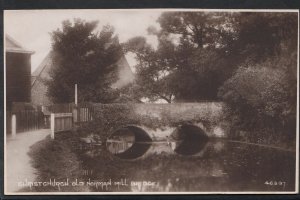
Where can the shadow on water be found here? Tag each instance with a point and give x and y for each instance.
(190, 161)
(192, 140)
(130, 142)
(196, 163)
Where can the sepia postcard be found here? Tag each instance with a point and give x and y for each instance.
(151, 101)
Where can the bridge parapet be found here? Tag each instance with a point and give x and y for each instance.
(160, 120)
(184, 111)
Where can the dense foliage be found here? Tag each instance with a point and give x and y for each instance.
(84, 57)
(262, 92)
(248, 60)
(191, 60)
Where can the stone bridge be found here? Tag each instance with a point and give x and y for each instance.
(161, 121)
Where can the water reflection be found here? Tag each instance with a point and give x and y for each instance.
(129, 142)
(120, 141)
(192, 140)
(211, 165)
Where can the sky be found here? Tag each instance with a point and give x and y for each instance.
(32, 28)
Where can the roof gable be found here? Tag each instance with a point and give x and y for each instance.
(11, 45)
(125, 74)
(46, 62)
(42, 71)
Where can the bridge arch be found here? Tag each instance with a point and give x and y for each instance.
(141, 141)
(191, 139)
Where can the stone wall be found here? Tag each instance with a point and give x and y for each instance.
(160, 120)
(184, 111)
(206, 115)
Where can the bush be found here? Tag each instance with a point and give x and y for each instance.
(107, 117)
(262, 102)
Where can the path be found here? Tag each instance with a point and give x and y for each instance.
(17, 165)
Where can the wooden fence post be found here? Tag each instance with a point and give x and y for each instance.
(76, 98)
(13, 125)
(75, 114)
(52, 126)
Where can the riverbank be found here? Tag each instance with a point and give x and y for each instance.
(281, 142)
(233, 165)
(281, 148)
(56, 162)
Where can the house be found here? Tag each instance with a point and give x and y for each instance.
(125, 73)
(38, 79)
(41, 75)
(18, 72)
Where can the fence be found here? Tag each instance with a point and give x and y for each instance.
(61, 122)
(64, 114)
(8, 121)
(25, 120)
(82, 112)
(61, 108)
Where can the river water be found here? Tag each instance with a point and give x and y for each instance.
(188, 166)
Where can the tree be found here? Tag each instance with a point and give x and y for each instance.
(153, 71)
(262, 93)
(84, 57)
(247, 59)
(182, 68)
(261, 35)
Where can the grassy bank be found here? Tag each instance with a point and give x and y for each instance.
(56, 161)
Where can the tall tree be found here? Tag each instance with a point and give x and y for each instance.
(84, 57)
(247, 59)
(154, 76)
(190, 60)
(262, 93)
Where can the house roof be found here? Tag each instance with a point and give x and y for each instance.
(43, 68)
(43, 64)
(11, 45)
(124, 71)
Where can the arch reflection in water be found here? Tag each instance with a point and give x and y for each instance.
(130, 142)
(191, 140)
